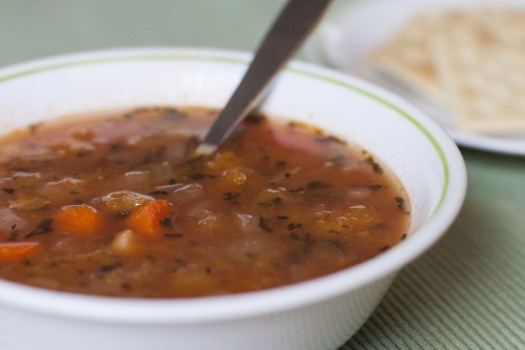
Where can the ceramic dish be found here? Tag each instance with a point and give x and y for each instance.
(336, 46)
(318, 314)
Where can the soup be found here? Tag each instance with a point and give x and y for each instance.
(118, 204)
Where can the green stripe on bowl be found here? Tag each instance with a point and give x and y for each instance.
(94, 61)
(237, 61)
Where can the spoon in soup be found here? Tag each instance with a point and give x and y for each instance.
(290, 29)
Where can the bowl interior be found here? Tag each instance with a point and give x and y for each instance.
(351, 110)
(420, 154)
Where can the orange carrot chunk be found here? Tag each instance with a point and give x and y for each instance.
(147, 219)
(12, 251)
(78, 219)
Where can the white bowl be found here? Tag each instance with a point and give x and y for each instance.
(317, 314)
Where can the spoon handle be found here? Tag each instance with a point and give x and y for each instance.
(286, 35)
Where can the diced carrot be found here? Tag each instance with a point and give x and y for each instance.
(147, 219)
(78, 219)
(12, 251)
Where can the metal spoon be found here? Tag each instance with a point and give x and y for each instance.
(288, 32)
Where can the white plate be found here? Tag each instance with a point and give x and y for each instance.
(345, 39)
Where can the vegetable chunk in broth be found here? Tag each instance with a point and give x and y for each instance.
(118, 205)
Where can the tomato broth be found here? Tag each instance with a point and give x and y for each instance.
(118, 204)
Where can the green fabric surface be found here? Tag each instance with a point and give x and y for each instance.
(467, 292)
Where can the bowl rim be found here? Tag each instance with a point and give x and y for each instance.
(251, 304)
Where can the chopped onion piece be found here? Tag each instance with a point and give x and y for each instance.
(161, 172)
(9, 221)
(124, 242)
(120, 202)
(134, 178)
(187, 192)
(28, 203)
(62, 187)
(360, 192)
(245, 219)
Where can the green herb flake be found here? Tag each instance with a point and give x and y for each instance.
(263, 225)
(33, 128)
(338, 245)
(158, 193)
(201, 176)
(20, 169)
(173, 114)
(293, 190)
(273, 202)
(294, 226)
(115, 147)
(375, 166)
(43, 227)
(318, 185)
(280, 164)
(13, 233)
(384, 248)
(82, 154)
(174, 235)
(330, 139)
(230, 196)
(8, 190)
(104, 269)
(376, 187)
(401, 204)
(166, 222)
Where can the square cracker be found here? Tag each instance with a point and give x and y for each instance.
(483, 77)
(407, 57)
(504, 25)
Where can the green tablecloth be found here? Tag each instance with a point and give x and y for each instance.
(468, 292)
